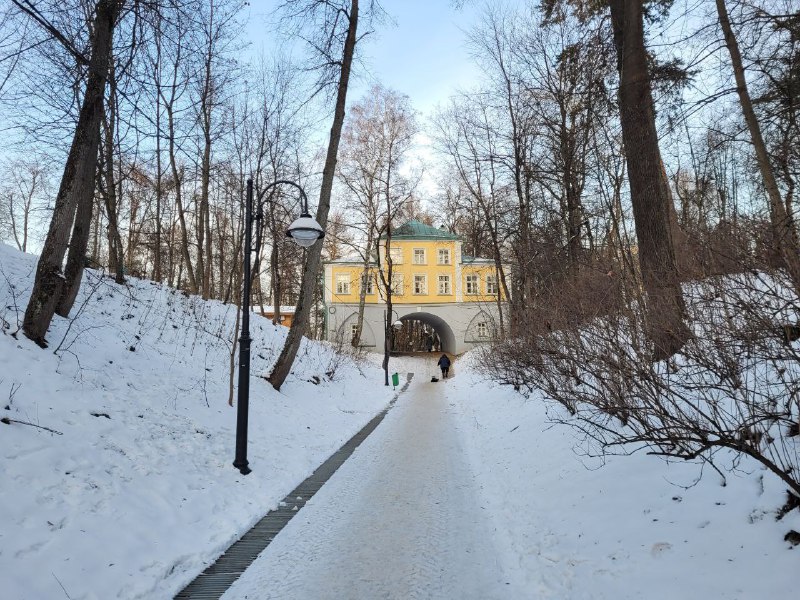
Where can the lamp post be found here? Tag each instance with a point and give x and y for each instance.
(305, 231)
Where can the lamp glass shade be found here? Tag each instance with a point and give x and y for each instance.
(305, 231)
(398, 324)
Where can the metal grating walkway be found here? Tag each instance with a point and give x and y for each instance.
(216, 579)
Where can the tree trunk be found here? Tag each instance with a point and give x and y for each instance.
(312, 263)
(275, 271)
(157, 276)
(650, 196)
(572, 193)
(177, 180)
(784, 232)
(204, 241)
(76, 192)
(388, 324)
(362, 296)
(115, 255)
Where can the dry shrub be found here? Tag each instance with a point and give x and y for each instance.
(735, 384)
(571, 300)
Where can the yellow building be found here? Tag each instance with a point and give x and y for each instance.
(432, 282)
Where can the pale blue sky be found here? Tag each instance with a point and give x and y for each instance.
(423, 52)
(419, 50)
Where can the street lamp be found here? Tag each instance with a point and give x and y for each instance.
(305, 231)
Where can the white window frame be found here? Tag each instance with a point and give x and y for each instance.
(396, 252)
(472, 284)
(424, 258)
(397, 284)
(446, 252)
(491, 285)
(370, 281)
(420, 277)
(343, 282)
(448, 287)
(482, 329)
(353, 330)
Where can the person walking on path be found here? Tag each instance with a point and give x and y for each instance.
(444, 364)
(429, 343)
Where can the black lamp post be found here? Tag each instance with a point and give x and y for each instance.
(305, 231)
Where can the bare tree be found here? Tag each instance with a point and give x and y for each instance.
(20, 196)
(376, 140)
(170, 96)
(108, 184)
(279, 133)
(73, 206)
(215, 26)
(650, 194)
(330, 15)
(784, 230)
(467, 135)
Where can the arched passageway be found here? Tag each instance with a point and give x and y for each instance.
(417, 328)
(456, 327)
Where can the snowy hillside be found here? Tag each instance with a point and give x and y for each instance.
(133, 491)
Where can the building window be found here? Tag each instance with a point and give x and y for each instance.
(491, 285)
(483, 330)
(353, 332)
(343, 285)
(396, 252)
(444, 284)
(419, 256)
(472, 284)
(420, 284)
(397, 284)
(444, 256)
(369, 280)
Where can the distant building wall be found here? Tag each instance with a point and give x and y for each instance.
(285, 319)
(456, 295)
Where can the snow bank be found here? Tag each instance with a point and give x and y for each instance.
(133, 492)
(574, 527)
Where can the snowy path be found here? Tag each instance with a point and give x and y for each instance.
(400, 519)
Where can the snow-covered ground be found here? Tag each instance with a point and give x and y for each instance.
(136, 493)
(400, 519)
(571, 527)
(464, 491)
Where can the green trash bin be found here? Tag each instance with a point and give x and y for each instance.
(395, 379)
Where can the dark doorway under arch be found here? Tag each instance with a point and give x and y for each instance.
(419, 325)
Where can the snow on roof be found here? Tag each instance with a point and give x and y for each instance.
(285, 310)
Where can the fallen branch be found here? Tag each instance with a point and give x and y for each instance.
(8, 421)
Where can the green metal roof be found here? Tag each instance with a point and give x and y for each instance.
(475, 260)
(414, 230)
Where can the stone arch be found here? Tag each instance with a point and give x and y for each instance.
(367, 334)
(439, 325)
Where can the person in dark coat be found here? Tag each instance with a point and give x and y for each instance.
(444, 364)
(429, 343)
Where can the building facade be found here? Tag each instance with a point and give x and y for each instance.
(286, 315)
(456, 296)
